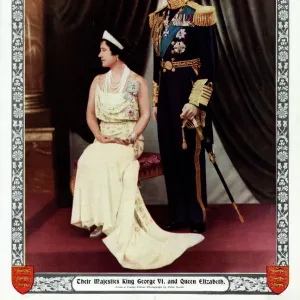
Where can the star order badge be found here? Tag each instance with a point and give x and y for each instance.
(22, 278)
(278, 278)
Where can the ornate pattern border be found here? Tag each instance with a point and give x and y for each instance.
(239, 283)
(18, 233)
(282, 138)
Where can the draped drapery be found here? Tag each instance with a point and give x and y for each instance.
(244, 102)
(244, 106)
(73, 31)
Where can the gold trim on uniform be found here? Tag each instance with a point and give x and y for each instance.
(155, 89)
(199, 129)
(156, 23)
(202, 118)
(201, 93)
(172, 65)
(198, 175)
(204, 15)
(153, 15)
(151, 19)
(174, 4)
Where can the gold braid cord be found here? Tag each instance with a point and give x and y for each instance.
(202, 118)
(198, 175)
(155, 93)
(191, 125)
(201, 93)
(199, 136)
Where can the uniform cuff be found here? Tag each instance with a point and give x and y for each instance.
(201, 93)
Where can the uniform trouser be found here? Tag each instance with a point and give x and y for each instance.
(180, 165)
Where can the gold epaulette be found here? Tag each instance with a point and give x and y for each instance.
(151, 19)
(152, 15)
(204, 15)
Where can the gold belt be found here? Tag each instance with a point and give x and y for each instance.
(172, 65)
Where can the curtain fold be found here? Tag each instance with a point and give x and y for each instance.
(244, 111)
(244, 106)
(73, 32)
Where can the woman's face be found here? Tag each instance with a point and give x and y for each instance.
(105, 55)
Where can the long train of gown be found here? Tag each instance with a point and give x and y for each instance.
(106, 191)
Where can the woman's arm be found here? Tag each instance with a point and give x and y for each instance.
(91, 115)
(144, 107)
(144, 111)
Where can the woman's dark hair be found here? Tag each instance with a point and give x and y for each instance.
(124, 53)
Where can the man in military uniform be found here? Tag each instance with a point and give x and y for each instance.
(184, 58)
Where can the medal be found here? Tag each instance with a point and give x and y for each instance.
(167, 24)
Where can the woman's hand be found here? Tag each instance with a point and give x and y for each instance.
(104, 139)
(107, 139)
(132, 137)
(122, 142)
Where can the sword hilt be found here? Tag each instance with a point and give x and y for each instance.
(212, 158)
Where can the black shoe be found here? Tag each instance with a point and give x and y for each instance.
(174, 226)
(198, 227)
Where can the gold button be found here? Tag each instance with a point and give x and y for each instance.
(168, 65)
(172, 59)
(173, 43)
(173, 70)
(164, 70)
(172, 51)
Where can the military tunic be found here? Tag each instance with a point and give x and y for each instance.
(184, 67)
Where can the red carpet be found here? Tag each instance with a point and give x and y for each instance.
(53, 245)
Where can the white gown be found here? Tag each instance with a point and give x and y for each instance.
(106, 191)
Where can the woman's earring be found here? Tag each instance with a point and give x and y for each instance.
(117, 58)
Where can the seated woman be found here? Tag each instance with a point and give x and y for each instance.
(106, 193)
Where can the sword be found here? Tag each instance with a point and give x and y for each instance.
(213, 161)
(193, 124)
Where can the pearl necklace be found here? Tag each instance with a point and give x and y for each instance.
(112, 86)
(115, 86)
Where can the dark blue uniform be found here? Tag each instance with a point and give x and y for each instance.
(184, 59)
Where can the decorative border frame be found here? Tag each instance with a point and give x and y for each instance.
(46, 283)
(239, 283)
(18, 134)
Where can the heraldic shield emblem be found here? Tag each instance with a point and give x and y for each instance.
(278, 278)
(22, 278)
